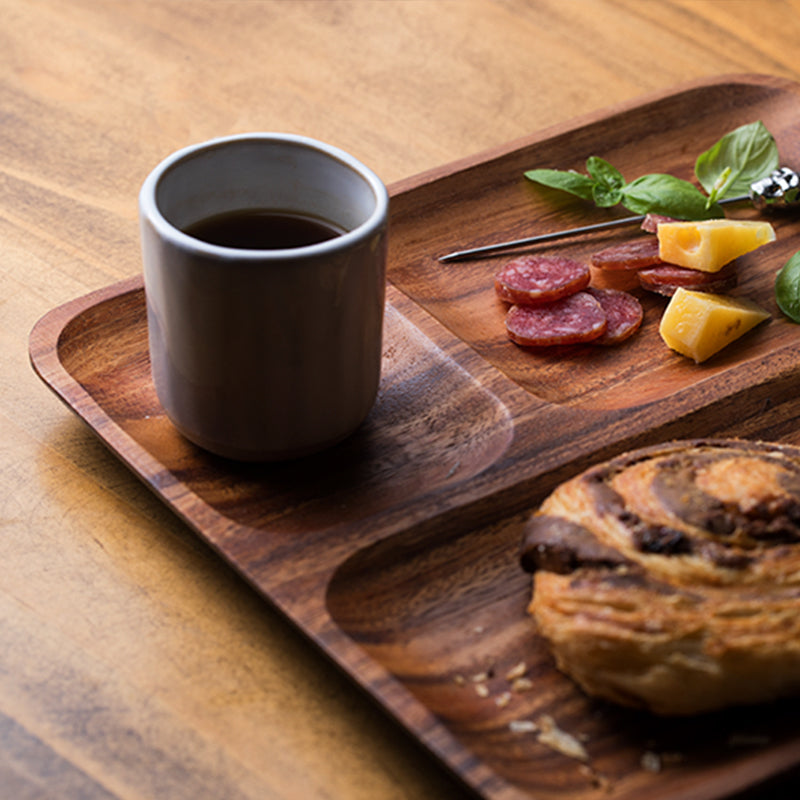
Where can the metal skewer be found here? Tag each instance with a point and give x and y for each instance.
(782, 187)
(543, 237)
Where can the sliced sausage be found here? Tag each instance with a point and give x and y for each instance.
(624, 315)
(532, 280)
(633, 254)
(651, 222)
(666, 278)
(571, 320)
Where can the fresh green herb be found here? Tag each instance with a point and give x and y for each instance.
(738, 159)
(567, 180)
(729, 167)
(655, 193)
(607, 182)
(787, 288)
(658, 193)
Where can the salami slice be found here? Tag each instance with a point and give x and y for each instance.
(633, 254)
(666, 278)
(651, 222)
(571, 320)
(623, 312)
(532, 280)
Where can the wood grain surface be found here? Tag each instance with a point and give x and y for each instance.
(134, 663)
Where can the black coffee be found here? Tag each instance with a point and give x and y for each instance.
(262, 229)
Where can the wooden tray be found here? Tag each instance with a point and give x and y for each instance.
(396, 552)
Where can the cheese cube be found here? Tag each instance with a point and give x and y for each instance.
(697, 325)
(710, 244)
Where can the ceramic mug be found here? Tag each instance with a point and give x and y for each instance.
(269, 348)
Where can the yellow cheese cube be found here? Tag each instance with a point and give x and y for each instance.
(697, 325)
(710, 244)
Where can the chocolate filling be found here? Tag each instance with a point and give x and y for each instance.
(675, 487)
(646, 538)
(557, 545)
(724, 556)
(660, 540)
(776, 521)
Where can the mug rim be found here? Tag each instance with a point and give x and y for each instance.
(149, 209)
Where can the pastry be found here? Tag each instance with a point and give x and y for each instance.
(668, 578)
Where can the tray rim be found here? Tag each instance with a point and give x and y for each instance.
(333, 643)
(47, 365)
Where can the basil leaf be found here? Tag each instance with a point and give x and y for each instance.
(739, 158)
(658, 193)
(787, 288)
(566, 180)
(605, 196)
(603, 172)
(608, 182)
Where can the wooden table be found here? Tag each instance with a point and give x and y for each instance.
(133, 662)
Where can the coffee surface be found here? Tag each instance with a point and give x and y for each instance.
(262, 229)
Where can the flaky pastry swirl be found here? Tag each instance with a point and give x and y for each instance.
(668, 578)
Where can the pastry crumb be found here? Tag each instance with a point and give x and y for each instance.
(516, 671)
(650, 761)
(503, 700)
(559, 740)
(523, 726)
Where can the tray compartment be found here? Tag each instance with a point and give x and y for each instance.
(432, 425)
(447, 619)
(493, 201)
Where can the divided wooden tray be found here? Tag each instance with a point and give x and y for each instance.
(396, 552)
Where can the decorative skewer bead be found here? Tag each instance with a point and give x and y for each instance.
(779, 188)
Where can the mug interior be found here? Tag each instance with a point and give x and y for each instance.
(278, 173)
